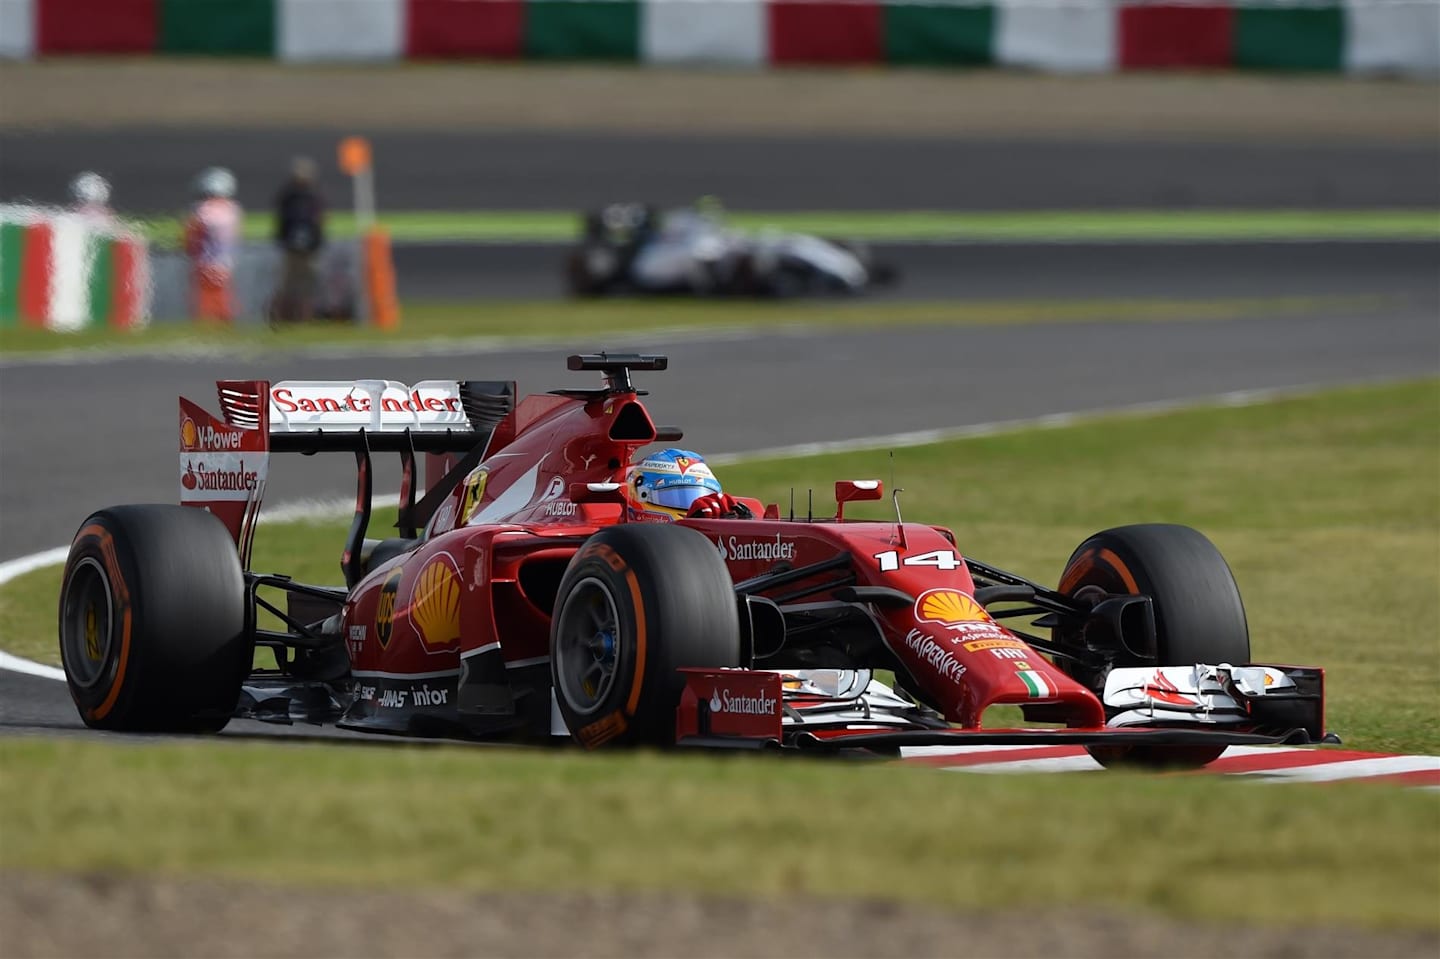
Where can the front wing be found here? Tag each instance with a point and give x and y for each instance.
(835, 709)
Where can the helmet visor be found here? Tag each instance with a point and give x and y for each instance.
(680, 497)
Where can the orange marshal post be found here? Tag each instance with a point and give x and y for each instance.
(377, 266)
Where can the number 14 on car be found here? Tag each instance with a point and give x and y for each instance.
(946, 559)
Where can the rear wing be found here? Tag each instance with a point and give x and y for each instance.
(224, 461)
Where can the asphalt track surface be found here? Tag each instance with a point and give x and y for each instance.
(152, 170)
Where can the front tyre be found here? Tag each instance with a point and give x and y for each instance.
(1199, 617)
(152, 620)
(637, 603)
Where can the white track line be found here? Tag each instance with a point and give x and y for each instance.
(1050, 421)
(27, 564)
(17, 665)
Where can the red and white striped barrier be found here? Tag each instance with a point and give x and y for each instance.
(69, 271)
(1265, 763)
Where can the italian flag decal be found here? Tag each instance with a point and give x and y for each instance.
(1036, 684)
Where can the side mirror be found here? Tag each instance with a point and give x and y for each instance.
(596, 493)
(849, 491)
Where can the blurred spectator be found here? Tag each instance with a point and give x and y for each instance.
(300, 233)
(212, 240)
(90, 196)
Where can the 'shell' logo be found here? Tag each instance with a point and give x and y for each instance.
(949, 607)
(208, 439)
(385, 609)
(435, 603)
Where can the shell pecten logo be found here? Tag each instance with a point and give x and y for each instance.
(435, 604)
(189, 435)
(949, 607)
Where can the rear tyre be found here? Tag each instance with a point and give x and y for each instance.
(637, 603)
(1199, 617)
(152, 620)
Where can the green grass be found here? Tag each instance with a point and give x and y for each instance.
(569, 320)
(1327, 508)
(899, 226)
(736, 826)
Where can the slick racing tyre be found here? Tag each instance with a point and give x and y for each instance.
(1198, 614)
(637, 603)
(152, 620)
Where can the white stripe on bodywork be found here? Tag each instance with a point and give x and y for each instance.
(515, 498)
(483, 649)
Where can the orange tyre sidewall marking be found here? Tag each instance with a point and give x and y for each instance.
(111, 563)
(1081, 565)
(1088, 560)
(636, 682)
(1121, 570)
(602, 731)
(616, 562)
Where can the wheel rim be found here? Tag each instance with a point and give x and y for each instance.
(86, 633)
(587, 646)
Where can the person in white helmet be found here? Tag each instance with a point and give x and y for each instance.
(212, 241)
(90, 196)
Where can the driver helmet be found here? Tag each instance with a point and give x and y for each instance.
(664, 484)
(90, 189)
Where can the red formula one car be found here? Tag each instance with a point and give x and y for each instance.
(525, 597)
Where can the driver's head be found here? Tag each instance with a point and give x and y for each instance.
(664, 484)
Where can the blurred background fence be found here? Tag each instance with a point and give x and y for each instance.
(1359, 36)
(68, 271)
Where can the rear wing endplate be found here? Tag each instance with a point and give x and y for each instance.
(224, 462)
